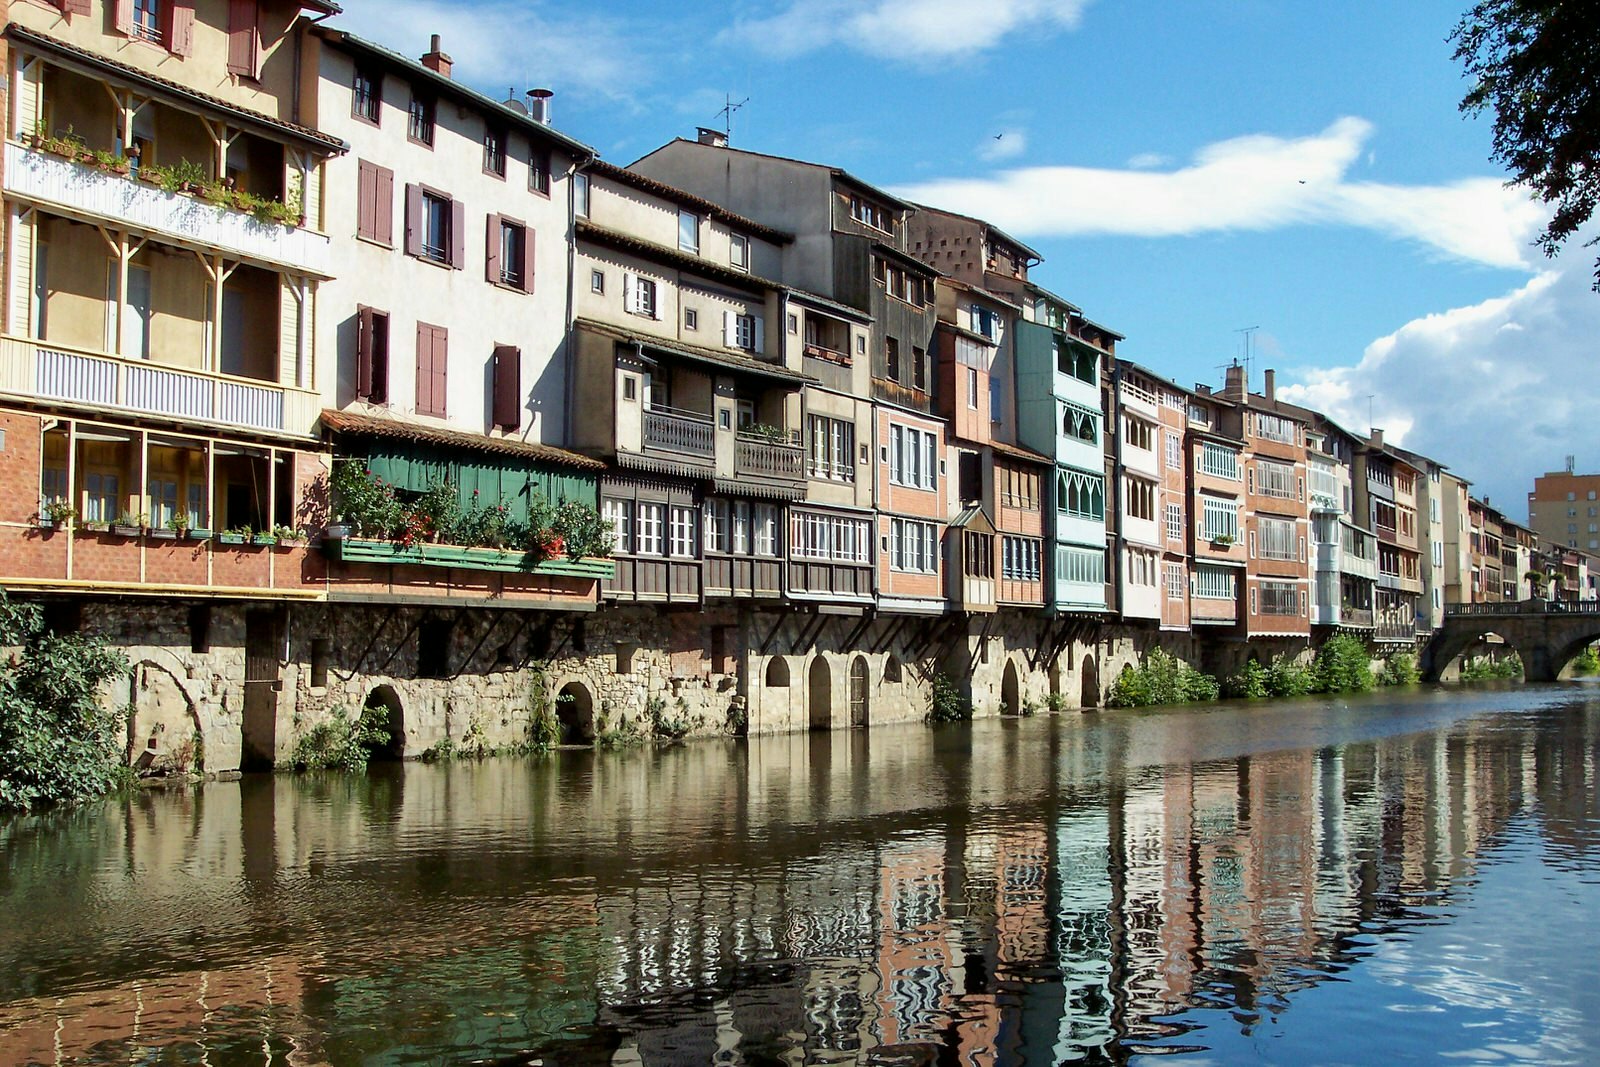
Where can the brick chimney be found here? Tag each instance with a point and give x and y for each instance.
(714, 138)
(1377, 438)
(436, 60)
(1233, 387)
(1269, 384)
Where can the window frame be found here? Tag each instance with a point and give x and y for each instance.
(494, 150)
(421, 119)
(373, 96)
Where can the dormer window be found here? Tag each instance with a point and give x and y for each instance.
(871, 214)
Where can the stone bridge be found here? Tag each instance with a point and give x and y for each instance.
(1547, 634)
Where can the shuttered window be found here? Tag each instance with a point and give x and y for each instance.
(372, 355)
(375, 203)
(508, 253)
(435, 226)
(432, 359)
(507, 375)
(177, 26)
(244, 38)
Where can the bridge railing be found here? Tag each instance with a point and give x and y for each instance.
(1526, 607)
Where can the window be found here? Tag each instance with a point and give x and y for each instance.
(913, 457)
(1174, 522)
(1273, 428)
(1219, 519)
(1084, 566)
(978, 557)
(739, 252)
(1141, 435)
(505, 387)
(510, 250)
(691, 319)
(1214, 583)
(163, 494)
(1174, 581)
(1082, 495)
(580, 195)
(366, 95)
(891, 357)
(1279, 598)
(1141, 497)
(435, 227)
(919, 368)
(870, 213)
(1275, 538)
(1018, 488)
(432, 358)
(997, 399)
(494, 151)
(539, 174)
(419, 124)
(652, 518)
(1219, 462)
(985, 321)
(972, 389)
(147, 20)
(639, 296)
(744, 332)
(1174, 451)
(1141, 567)
(597, 281)
(1080, 424)
(913, 546)
(1020, 559)
(1275, 479)
(830, 450)
(682, 542)
(372, 355)
(689, 231)
(101, 502)
(828, 537)
(374, 203)
(766, 530)
(620, 514)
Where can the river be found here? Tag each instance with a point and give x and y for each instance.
(1362, 880)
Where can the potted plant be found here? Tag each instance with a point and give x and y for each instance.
(1223, 540)
(56, 513)
(239, 535)
(128, 525)
(287, 535)
(107, 160)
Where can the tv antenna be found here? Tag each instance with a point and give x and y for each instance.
(727, 113)
(1249, 336)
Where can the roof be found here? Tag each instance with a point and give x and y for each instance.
(1034, 287)
(1027, 455)
(71, 55)
(718, 357)
(962, 331)
(972, 516)
(349, 422)
(991, 227)
(987, 294)
(906, 259)
(672, 192)
(449, 87)
(805, 296)
(679, 258)
(837, 172)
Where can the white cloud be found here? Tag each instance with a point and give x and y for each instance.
(902, 29)
(1008, 144)
(1255, 182)
(1148, 161)
(501, 43)
(1499, 391)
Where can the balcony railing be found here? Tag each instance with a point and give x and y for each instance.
(895, 393)
(672, 430)
(56, 182)
(41, 370)
(1356, 618)
(769, 459)
(823, 352)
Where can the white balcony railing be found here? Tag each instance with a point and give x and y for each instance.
(36, 369)
(55, 182)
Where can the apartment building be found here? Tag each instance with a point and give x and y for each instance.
(1152, 543)
(1216, 501)
(1454, 492)
(1564, 509)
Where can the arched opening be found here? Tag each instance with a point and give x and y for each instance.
(819, 697)
(892, 670)
(1487, 657)
(1010, 691)
(1091, 683)
(575, 713)
(383, 704)
(777, 673)
(858, 691)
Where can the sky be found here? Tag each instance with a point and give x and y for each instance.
(1210, 178)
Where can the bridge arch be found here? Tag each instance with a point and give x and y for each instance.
(1548, 635)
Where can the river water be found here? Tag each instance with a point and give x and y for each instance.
(1366, 880)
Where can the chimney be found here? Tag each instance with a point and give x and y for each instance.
(539, 105)
(436, 60)
(1377, 438)
(714, 138)
(1233, 387)
(1270, 383)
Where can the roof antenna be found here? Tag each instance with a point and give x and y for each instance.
(1249, 335)
(726, 114)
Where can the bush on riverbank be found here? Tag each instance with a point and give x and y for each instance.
(1399, 668)
(947, 704)
(1481, 668)
(1588, 662)
(57, 743)
(1343, 666)
(1283, 677)
(1161, 679)
(342, 741)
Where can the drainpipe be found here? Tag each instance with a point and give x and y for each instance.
(1115, 493)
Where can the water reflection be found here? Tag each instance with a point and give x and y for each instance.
(1029, 892)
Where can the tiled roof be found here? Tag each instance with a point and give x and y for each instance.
(675, 256)
(672, 192)
(349, 422)
(719, 357)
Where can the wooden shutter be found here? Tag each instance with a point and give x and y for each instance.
(76, 7)
(244, 46)
(383, 206)
(178, 27)
(759, 345)
(630, 301)
(414, 220)
(491, 258)
(363, 352)
(367, 200)
(432, 360)
(527, 260)
(730, 334)
(123, 17)
(507, 387)
(458, 234)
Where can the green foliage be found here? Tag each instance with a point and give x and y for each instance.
(1399, 668)
(671, 727)
(1481, 668)
(1250, 683)
(1056, 702)
(583, 530)
(365, 501)
(947, 703)
(1342, 666)
(1287, 678)
(1535, 64)
(342, 742)
(1161, 679)
(57, 743)
(1587, 662)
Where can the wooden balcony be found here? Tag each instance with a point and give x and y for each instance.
(894, 393)
(91, 193)
(686, 433)
(761, 457)
(38, 370)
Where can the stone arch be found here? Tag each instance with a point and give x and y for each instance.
(777, 673)
(860, 691)
(1091, 682)
(575, 713)
(892, 670)
(1010, 690)
(1449, 645)
(819, 695)
(384, 696)
(164, 735)
(1561, 656)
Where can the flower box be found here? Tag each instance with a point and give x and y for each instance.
(504, 560)
(161, 533)
(126, 531)
(263, 539)
(231, 539)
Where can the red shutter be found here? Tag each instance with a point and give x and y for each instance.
(78, 7)
(507, 387)
(527, 260)
(244, 45)
(366, 200)
(491, 258)
(123, 18)
(414, 220)
(364, 352)
(424, 368)
(178, 27)
(458, 234)
(441, 363)
(383, 200)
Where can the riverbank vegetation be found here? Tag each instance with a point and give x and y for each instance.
(58, 743)
(947, 703)
(1342, 665)
(1161, 679)
(1480, 668)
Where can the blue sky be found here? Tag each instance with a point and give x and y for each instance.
(1187, 168)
